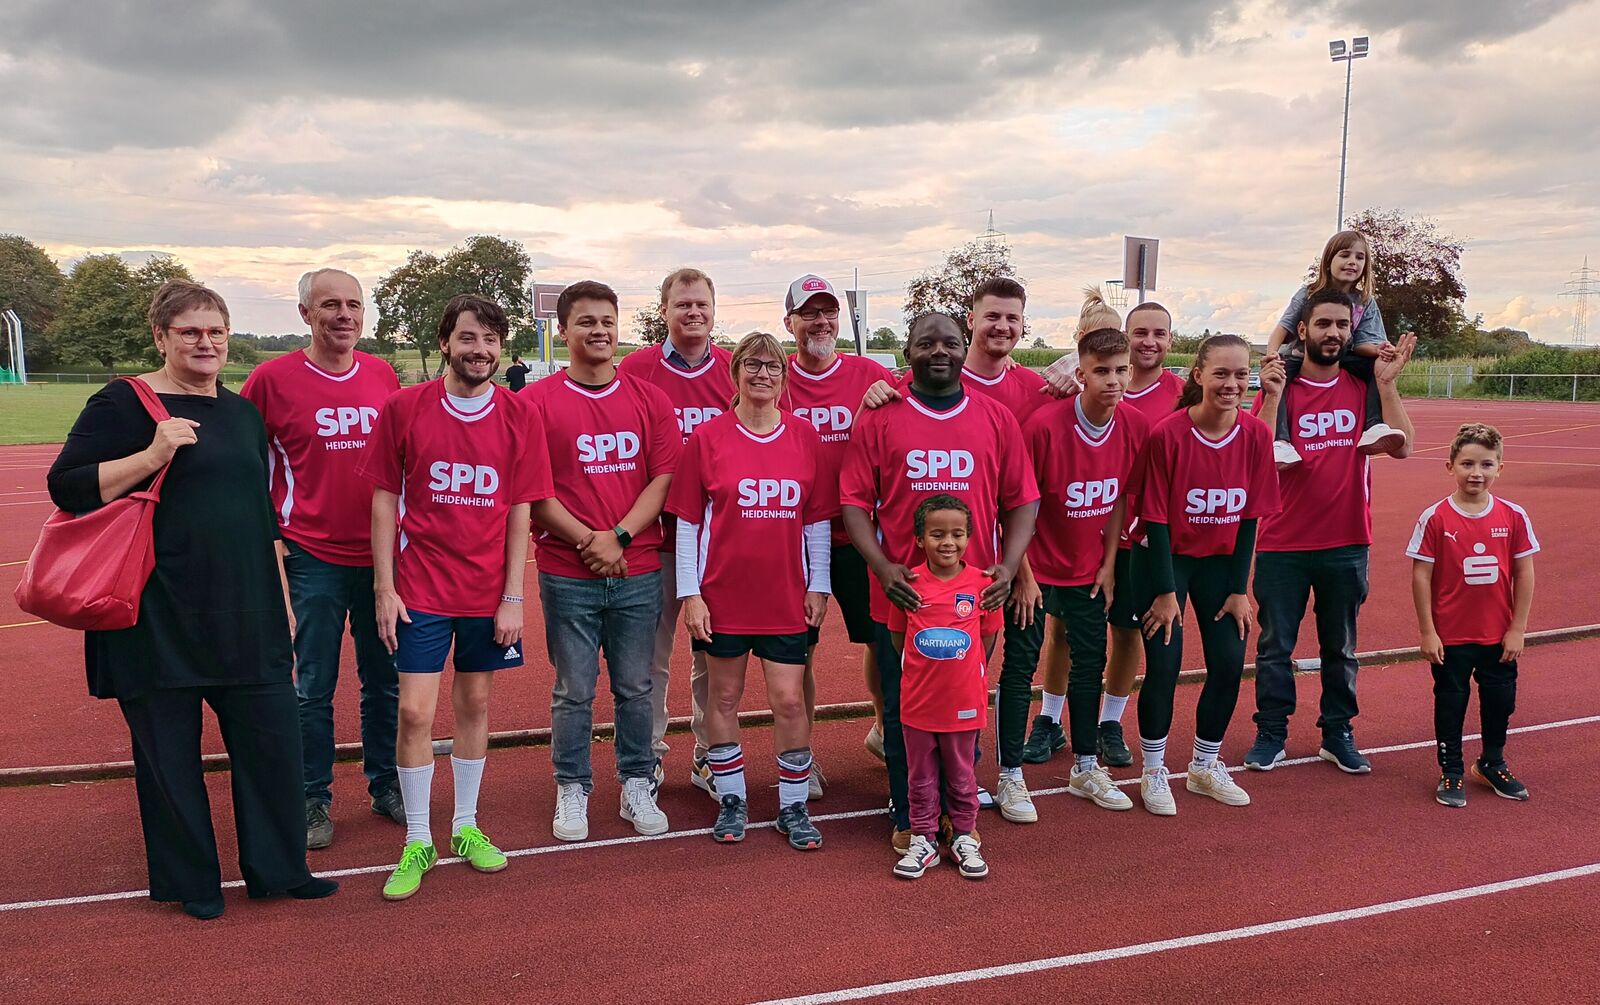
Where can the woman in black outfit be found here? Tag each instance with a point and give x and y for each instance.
(212, 627)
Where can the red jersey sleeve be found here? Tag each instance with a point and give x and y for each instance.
(687, 497)
(666, 443)
(383, 458)
(533, 481)
(858, 482)
(1523, 543)
(1154, 481)
(822, 502)
(1018, 486)
(993, 621)
(897, 619)
(1424, 544)
(1263, 497)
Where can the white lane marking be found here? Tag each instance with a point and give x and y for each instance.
(367, 870)
(1188, 941)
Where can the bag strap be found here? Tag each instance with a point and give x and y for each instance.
(152, 404)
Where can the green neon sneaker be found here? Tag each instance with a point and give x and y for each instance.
(472, 845)
(406, 879)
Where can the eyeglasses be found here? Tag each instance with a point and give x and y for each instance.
(812, 313)
(754, 367)
(192, 336)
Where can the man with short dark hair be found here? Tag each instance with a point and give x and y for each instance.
(517, 373)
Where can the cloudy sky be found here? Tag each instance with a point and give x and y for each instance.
(618, 140)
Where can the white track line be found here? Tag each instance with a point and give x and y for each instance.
(1188, 941)
(368, 870)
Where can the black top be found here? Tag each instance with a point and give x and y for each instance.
(213, 611)
(517, 376)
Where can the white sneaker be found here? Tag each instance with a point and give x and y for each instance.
(1096, 784)
(818, 780)
(874, 742)
(572, 813)
(1016, 805)
(639, 807)
(918, 859)
(1214, 781)
(700, 777)
(1156, 794)
(969, 857)
(1381, 438)
(1284, 453)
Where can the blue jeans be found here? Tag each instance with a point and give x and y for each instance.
(1285, 580)
(323, 595)
(581, 618)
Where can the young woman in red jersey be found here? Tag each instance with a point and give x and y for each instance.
(753, 555)
(1208, 476)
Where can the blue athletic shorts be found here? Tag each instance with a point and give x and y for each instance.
(423, 645)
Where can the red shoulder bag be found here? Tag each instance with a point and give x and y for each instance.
(87, 572)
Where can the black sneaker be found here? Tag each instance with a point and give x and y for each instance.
(795, 823)
(1044, 740)
(1264, 754)
(319, 827)
(730, 820)
(1340, 749)
(1499, 778)
(1451, 792)
(1113, 748)
(389, 804)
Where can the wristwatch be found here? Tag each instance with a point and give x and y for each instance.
(623, 537)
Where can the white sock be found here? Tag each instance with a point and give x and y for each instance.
(468, 776)
(1011, 773)
(1111, 707)
(1205, 752)
(727, 768)
(1155, 752)
(1053, 703)
(416, 790)
(794, 777)
(1087, 762)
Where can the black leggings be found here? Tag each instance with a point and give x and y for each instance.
(1360, 367)
(1497, 699)
(1205, 581)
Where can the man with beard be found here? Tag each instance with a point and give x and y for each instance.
(1317, 545)
(936, 438)
(469, 460)
(824, 388)
(319, 404)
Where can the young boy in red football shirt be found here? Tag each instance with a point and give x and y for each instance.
(943, 693)
(1472, 582)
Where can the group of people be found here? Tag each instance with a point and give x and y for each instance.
(1068, 517)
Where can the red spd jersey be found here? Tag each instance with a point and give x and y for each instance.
(457, 476)
(942, 684)
(1158, 400)
(317, 424)
(1327, 496)
(904, 452)
(829, 401)
(1018, 388)
(1202, 488)
(752, 497)
(1472, 556)
(697, 395)
(1080, 480)
(605, 446)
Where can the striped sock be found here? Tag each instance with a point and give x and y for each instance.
(416, 790)
(1111, 707)
(727, 767)
(794, 776)
(1205, 752)
(1155, 752)
(1087, 762)
(1053, 704)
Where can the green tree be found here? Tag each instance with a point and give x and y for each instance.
(411, 299)
(1417, 272)
(31, 284)
(884, 339)
(948, 289)
(99, 320)
(1040, 343)
(649, 325)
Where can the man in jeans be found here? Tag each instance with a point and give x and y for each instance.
(1318, 544)
(319, 405)
(613, 444)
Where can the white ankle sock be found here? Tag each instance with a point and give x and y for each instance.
(1053, 703)
(468, 776)
(1205, 752)
(1111, 707)
(416, 790)
(1155, 752)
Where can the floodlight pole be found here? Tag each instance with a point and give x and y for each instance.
(1338, 52)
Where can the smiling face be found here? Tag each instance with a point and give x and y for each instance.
(1149, 338)
(1223, 376)
(472, 350)
(936, 351)
(944, 538)
(1348, 265)
(815, 332)
(1474, 467)
(591, 332)
(690, 310)
(335, 312)
(759, 378)
(195, 345)
(1325, 333)
(996, 324)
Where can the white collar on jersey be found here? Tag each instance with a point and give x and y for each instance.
(455, 410)
(800, 371)
(911, 399)
(1217, 444)
(573, 385)
(319, 371)
(980, 378)
(757, 437)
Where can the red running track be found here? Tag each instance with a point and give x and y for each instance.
(679, 919)
(1553, 457)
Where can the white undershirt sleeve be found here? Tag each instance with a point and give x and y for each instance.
(819, 557)
(687, 559)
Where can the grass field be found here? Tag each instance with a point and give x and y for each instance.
(40, 413)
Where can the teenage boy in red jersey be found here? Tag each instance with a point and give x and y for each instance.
(1083, 448)
(613, 446)
(935, 439)
(319, 404)
(944, 691)
(824, 388)
(1472, 581)
(694, 374)
(1153, 392)
(466, 460)
(1318, 544)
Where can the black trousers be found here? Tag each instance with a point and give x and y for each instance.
(1497, 699)
(1014, 694)
(1205, 582)
(261, 730)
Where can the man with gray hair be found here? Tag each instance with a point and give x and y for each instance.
(319, 404)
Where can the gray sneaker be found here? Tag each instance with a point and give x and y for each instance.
(319, 826)
(388, 803)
